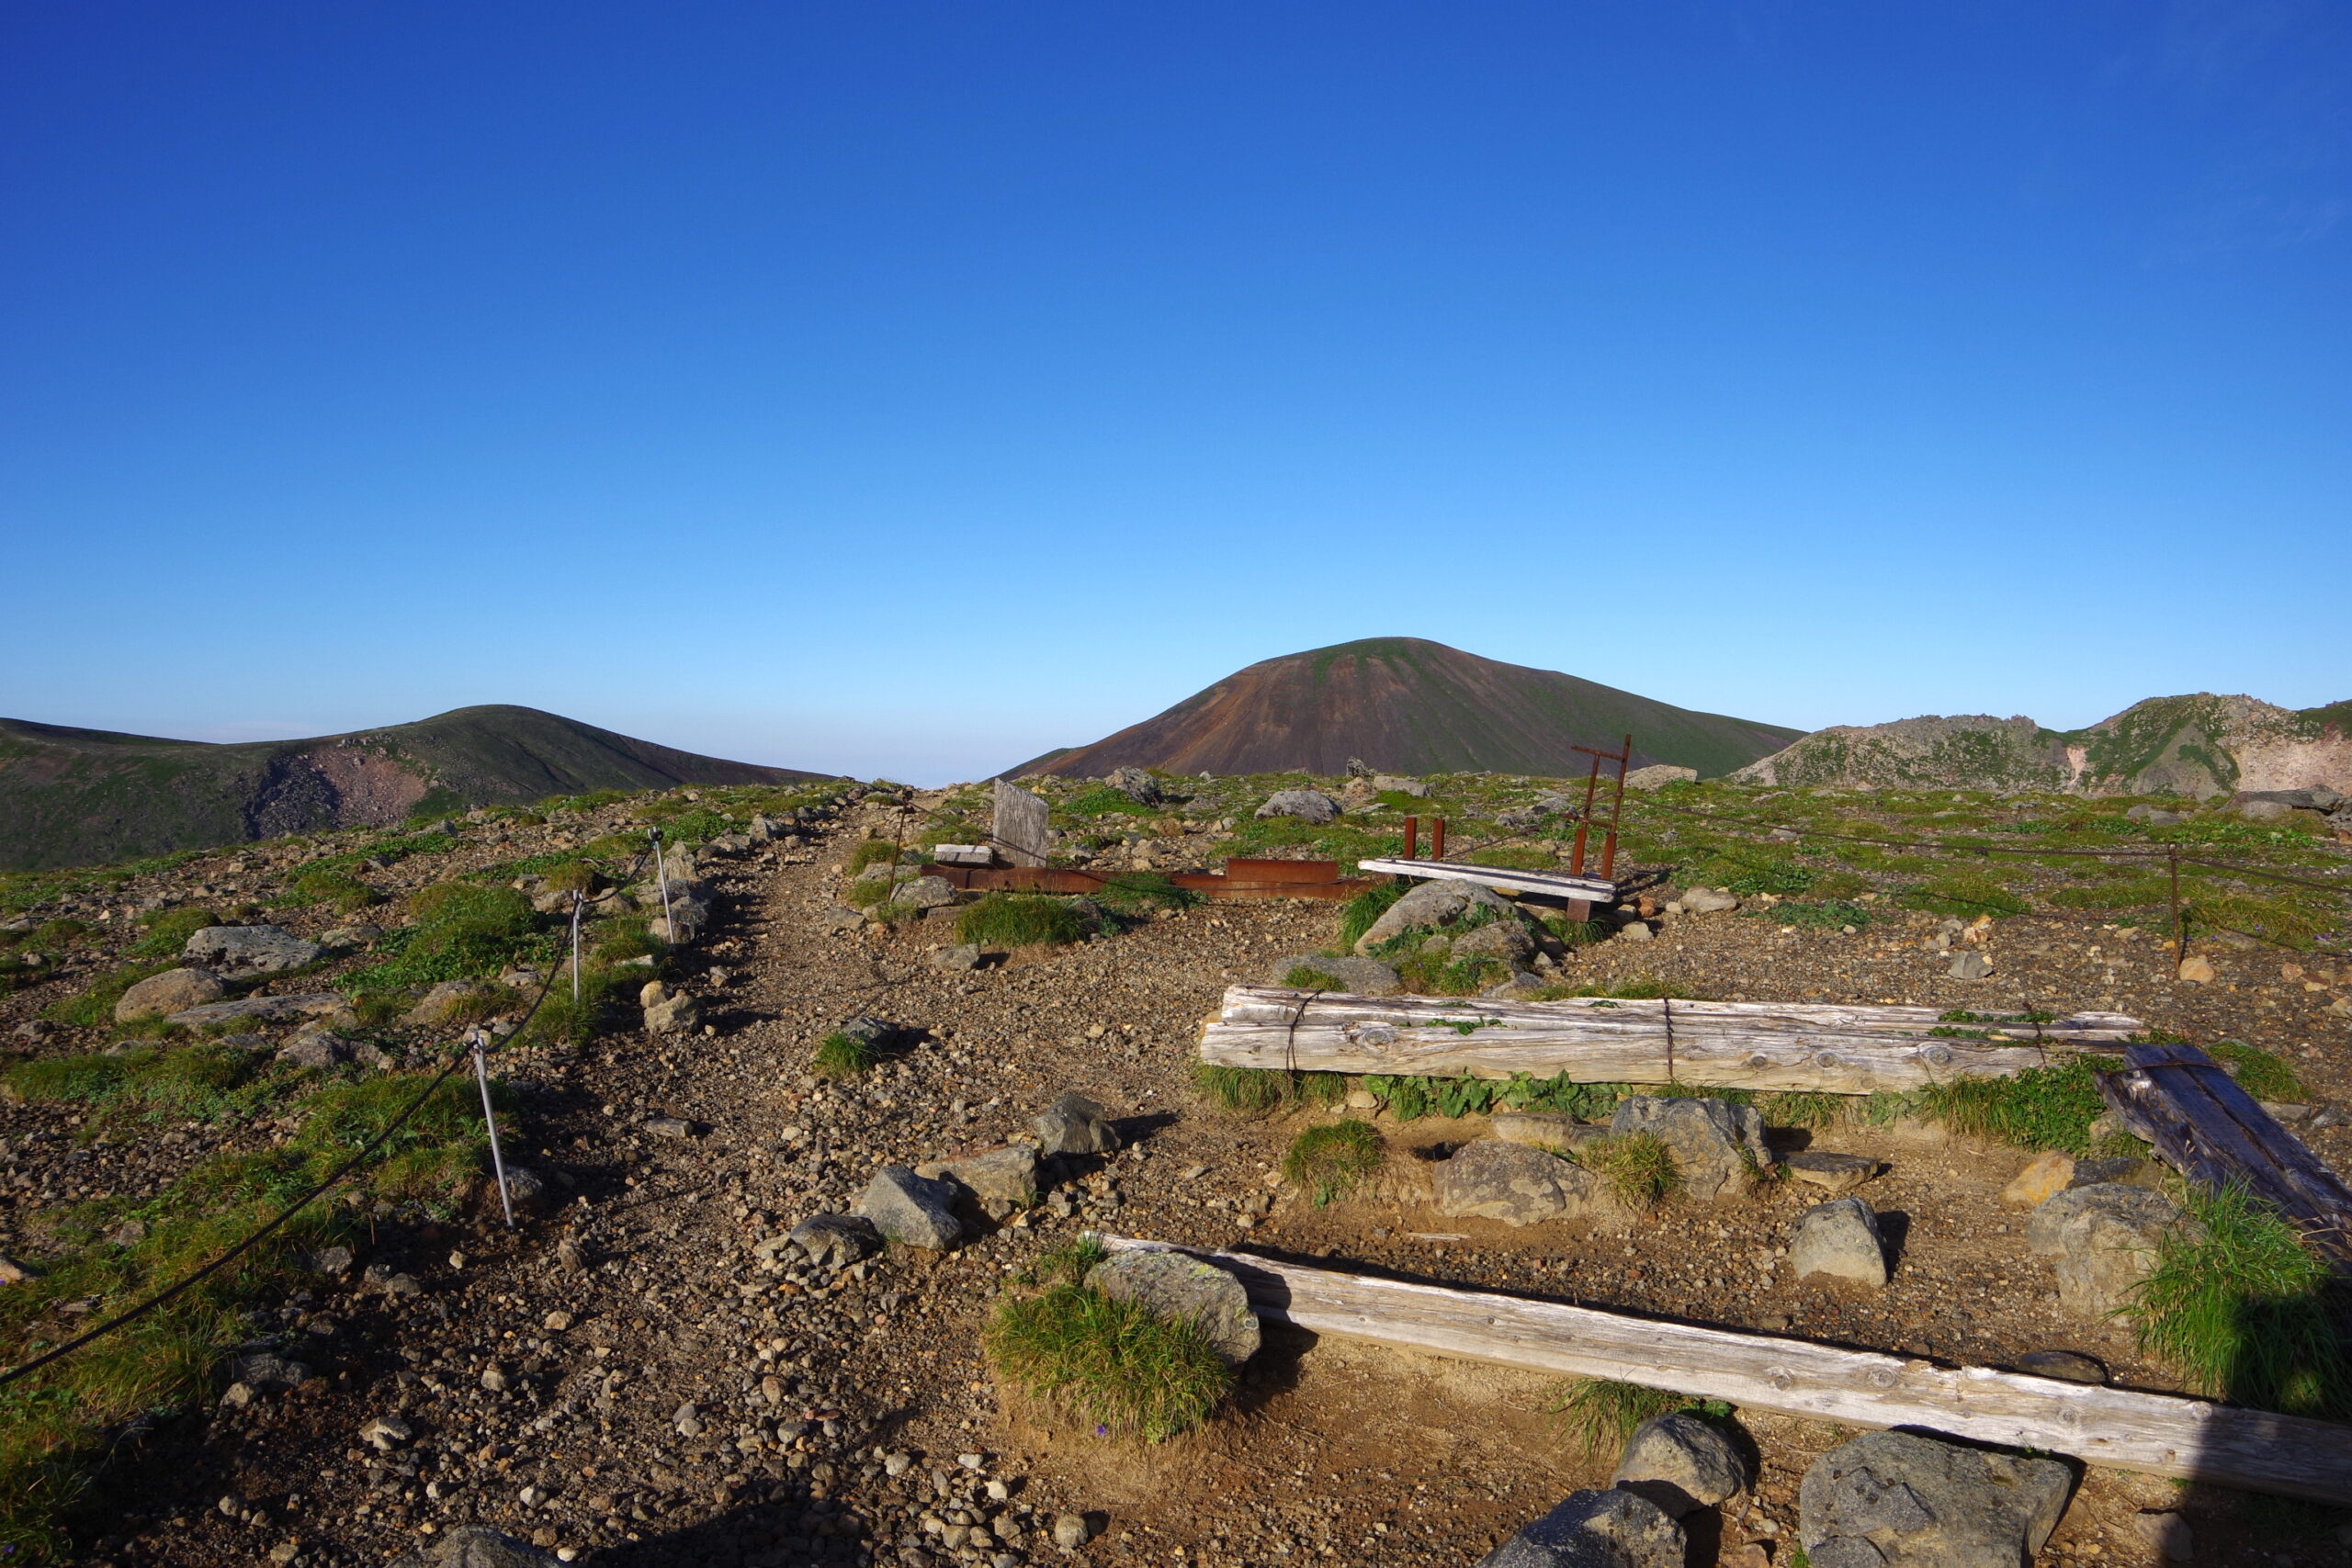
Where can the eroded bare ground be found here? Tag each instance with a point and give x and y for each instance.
(797, 1384)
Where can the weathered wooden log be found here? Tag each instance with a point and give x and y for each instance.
(1814, 1048)
(1502, 879)
(2158, 1434)
(2212, 1131)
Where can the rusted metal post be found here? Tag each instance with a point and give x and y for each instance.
(1437, 839)
(1412, 832)
(1584, 818)
(1616, 810)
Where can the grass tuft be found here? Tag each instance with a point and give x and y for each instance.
(2259, 1073)
(1307, 978)
(2243, 1309)
(1600, 1416)
(872, 851)
(1330, 1162)
(2041, 1108)
(843, 1055)
(1022, 920)
(1115, 1363)
(1358, 915)
(1637, 1167)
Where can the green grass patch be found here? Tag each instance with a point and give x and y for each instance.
(2258, 1072)
(840, 1055)
(1135, 892)
(1514, 858)
(1805, 1108)
(206, 1082)
(1307, 978)
(2243, 1310)
(2041, 1108)
(1116, 1364)
(335, 887)
(1022, 920)
(168, 932)
(1330, 1162)
(1963, 896)
(1103, 800)
(1358, 915)
(872, 851)
(461, 930)
(1599, 1416)
(1253, 1091)
(1638, 1169)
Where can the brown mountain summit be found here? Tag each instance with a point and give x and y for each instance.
(1405, 705)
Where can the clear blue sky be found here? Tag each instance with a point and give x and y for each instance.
(906, 388)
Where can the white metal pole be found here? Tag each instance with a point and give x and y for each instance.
(490, 1120)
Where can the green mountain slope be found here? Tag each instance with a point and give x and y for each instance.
(1404, 704)
(82, 797)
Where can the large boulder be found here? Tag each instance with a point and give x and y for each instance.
(1357, 977)
(1505, 941)
(174, 990)
(1901, 1500)
(1616, 1528)
(2105, 1237)
(912, 1210)
(249, 950)
(1680, 1463)
(1136, 784)
(1839, 1239)
(1184, 1289)
(1718, 1147)
(1307, 805)
(1438, 902)
(1515, 1183)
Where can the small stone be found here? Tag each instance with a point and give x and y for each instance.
(1515, 1183)
(958, 959)
(1184, 1289)
(2168, 1532)
(1910, 1501)
(912, 1210)
(897, 1463)
(2062, 1364)
(1074, 1124)
(1307, 805)
(1680, 1463)
(677, 1015)
(1596, 1529)
(13, 1273)
(2198, 970)
(1706, 901)
(668, 1126)
(1970, 964)
(1071, 1531)
(2051, 1173)
(836, 1241)
(557, 1322)
(493, 1378)
(1839, 1239)
(687, 1420)
(1837, 1174)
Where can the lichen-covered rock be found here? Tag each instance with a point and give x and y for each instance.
(1616, 1528)
(1003, 1180)
(1186, 1289)
(1839, 1239)
(924, 893)
(1441, 901)
(1680, 1463)
(1505, 941)
(174, 990)
(2105, 1237)
(451, 999)
(1074, 1124)
(1515, 1183)
(836, 1241)
(1901, 1500)
(1307, 805)
(1718, 1147)
(1356, 977)
(249, 950)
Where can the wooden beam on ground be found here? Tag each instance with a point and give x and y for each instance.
(1812, 1047)
(2157, 1434)
(2216, 1135)
(1502, 879)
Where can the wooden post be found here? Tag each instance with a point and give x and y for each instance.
(1020, 828)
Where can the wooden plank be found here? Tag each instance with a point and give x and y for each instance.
(1554, 884)
(2157, 1434)
(1819, 1048)
(2212, 1130)
(1019, 827)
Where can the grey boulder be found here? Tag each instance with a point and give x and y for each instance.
(912, 1210)
(1307, 805)
(1596, 1529)
(1680, 1463)
(1901, 1500)
(2105, 1237)
(1185, 1290)
(1074, 1124)
(1136, 784)
(476, 1546)
(836, 1241)
(174, 990)
(1839, 1239)
(1515, 1183)
(673, 1015)
(924, 893)
(1435, 903)
(1003, 1180)
(1718, 1147)
(1706, 901)
(249, 950)
(1506, 941)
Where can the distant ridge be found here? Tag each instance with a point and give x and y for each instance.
(1408, 705)
(86, 796)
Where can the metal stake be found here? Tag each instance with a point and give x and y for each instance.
(575, 947)
(490, 1120)
(662, 865)
(1412, 829)
(1437, 839)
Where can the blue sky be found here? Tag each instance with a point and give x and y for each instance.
(906, 388)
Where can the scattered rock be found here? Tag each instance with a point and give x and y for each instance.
(1718, 1147)
(1596, 1529)
(13, 1273)
(1136, 784)
(1506, 941)
(2198, 970)
(1706, 901)
(1438, 902)
(1391, 783)
(452, 998)
(1074, 1124)
(2168, 1533)
(1839, 1239)
(328, 1005)
(1357, 977)
(2063, 1364)
(322, 1049)
(2105, 1238)
(1972, 964)
(912, 1210)
(1307, 805)
(333, 1261)
(2050, 1174)
(385, 1433)
(959, 958)
(674, 1015)
(174, 990)
(1184, 1289)
(836, 1241)
(265, 1373)
(1515, 1183)
(1680, 1463)
(1542, 1129)
(668, 1126)
(1002, 1179)
(1907, 1501)
(1071, 1531)
(1658, 775)
(1837, 1174)
(249, 950)
(475, 1546)
(924, 893)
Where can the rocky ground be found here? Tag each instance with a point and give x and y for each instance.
(626, 1378)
